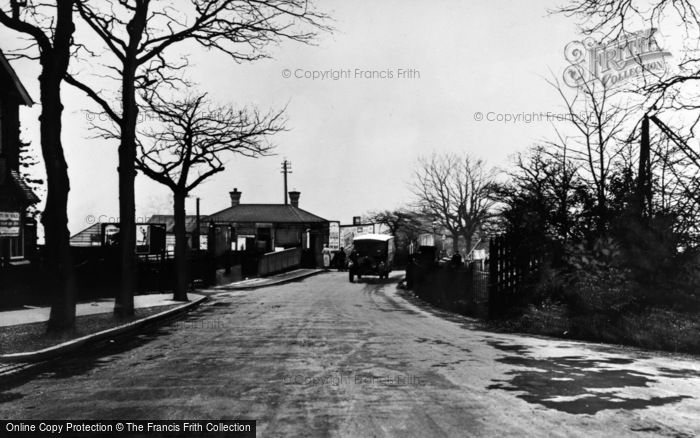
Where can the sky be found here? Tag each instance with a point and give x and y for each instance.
(434, 69)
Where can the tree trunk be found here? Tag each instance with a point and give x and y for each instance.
(58, 260)
(124, 303)
(455, 243)
(55, 216)
(468, 242)
(181, 266)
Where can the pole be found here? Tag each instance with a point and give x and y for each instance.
(644, 175)
(197, 232)
(286, 169)
(285, 182)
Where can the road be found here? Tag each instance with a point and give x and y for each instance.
(324, 357)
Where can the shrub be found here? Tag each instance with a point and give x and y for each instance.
(598, 280)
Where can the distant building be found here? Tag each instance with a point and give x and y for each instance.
(358, 228)
(151, 237)
(253, 229)
(17, 232)
(90, 236)
(190, 230)
(264, 228)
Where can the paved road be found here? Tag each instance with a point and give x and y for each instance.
(324, 357)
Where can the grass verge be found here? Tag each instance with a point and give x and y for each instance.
(655, 329)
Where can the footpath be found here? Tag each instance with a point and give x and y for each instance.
(31, 315)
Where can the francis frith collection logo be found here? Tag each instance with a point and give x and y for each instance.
(614, 62)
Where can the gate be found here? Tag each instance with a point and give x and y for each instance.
(511, 261)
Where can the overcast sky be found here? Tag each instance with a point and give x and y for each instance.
(353, 142)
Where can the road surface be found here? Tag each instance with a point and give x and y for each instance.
(324, 357)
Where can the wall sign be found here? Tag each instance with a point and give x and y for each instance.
(334, 236)
(9, 223)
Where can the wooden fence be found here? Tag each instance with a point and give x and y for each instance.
(460, 289)
(97, 274)
(279, 261)
(511, 262)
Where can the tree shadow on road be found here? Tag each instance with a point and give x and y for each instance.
(90, 357)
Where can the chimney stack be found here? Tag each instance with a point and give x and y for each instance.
(235, 197)
(294, 198)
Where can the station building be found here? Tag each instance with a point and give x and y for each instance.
(266, 228)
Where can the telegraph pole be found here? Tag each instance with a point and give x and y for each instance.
(196, 235)
(644, 175)
(286, 169)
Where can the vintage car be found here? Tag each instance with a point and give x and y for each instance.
(372, 254)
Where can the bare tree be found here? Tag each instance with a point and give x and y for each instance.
(613, 19)
(189, 144)
(599, 122)
(540, 192)
(50, 29)
(401, 222)
(139, 34)
(455, 190)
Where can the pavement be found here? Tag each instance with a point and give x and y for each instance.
(31, 314)
(255, 283)
(325, 357)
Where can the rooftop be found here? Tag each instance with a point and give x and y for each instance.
(265, 213)
(169, 221)
(18, 88)
(23, 190)
(383, 237)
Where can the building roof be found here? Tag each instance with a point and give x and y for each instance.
(23, 189)
(88, 237)
(274, 213)
(169, 221)
(483, 244)
(382, 237)
(19, 89)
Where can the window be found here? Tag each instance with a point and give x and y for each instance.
(17, 246)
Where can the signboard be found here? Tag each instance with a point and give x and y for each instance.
(9, 223)
(348, 233)
(143, 239)
(111, 234)
(356, 220)
(334, 236)
(365, 229)
(150, 238)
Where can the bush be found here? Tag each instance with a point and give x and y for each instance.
(599, 282)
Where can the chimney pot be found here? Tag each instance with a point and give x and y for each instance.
(235, 197)
(294, 198)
